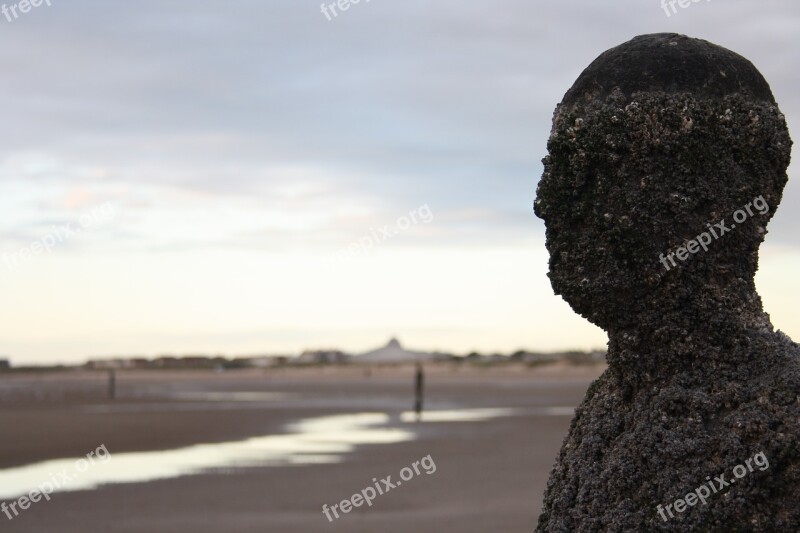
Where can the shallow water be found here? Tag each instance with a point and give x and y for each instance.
(311, 441)
(458, 415)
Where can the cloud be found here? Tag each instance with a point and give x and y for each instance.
(390, 105)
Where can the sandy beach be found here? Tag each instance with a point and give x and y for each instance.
(489, 474)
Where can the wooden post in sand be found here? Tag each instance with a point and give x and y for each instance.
(419, 383)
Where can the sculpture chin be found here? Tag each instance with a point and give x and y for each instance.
(595, 299)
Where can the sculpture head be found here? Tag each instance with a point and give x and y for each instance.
(658, 142)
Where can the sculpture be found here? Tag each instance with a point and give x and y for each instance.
(659, 141)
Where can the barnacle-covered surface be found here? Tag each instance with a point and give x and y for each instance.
(659, 140)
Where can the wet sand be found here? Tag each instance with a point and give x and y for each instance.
(490, 475)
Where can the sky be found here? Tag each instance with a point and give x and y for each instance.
(250, 177)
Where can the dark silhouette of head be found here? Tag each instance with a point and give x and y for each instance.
(666, 161)
(658, 141)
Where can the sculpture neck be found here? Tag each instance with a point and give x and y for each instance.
(704, 334)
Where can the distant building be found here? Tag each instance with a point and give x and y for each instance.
(265, 361)
(322, 357)
(5, 364)
(533, 358)
(394, 352)
(164, 362)
(118, 364)
(190, 362)
(584, 358)
(104, 364)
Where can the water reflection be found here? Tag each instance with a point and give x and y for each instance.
(458, 415)
(477, 415)
(311, 441)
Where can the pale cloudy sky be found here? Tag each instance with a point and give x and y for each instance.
(239, 145)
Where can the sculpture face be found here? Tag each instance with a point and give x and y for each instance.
(633, 175)
(601, 253)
